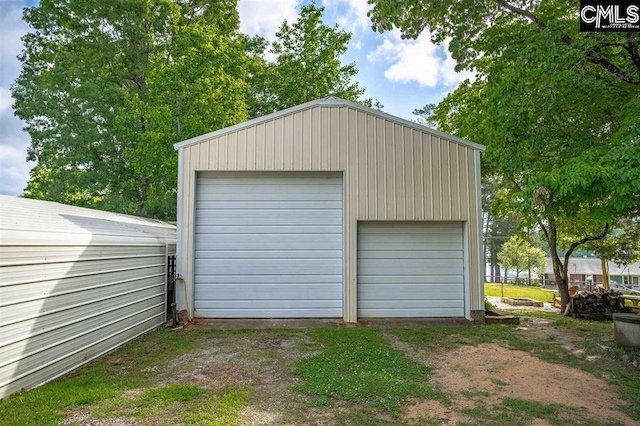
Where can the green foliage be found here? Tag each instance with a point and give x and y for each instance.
(623, 245)
(425, 116)
(106, 88)
(357, 365)
(518, 254)
(307, 65)
(558, 110)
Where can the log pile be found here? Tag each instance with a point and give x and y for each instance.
(599, 302)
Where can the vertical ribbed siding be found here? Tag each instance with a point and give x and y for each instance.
(392, 172)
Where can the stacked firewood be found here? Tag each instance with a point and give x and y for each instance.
(599, 301)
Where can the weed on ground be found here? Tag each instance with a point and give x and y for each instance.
(343, 376)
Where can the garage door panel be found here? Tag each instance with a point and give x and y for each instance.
(409, 266)
(273, 241)
(261, 291)
(409, 242)
(434, 228)
(269, 217)
(232, 196)
(412, 304)
(298, 267)
(258, 229)
(410, 279)
(293, 178)
(410, 254)
(268, 245)
(263, 279)
(277, 205)
(269, 254)
(445, 312)
(276, 312)
(259, 187)
(448, 291)
(410, 269)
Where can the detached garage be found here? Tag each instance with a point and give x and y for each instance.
(329, 210)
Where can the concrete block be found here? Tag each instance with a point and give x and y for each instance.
(626, 330)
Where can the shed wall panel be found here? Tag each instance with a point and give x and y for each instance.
(391, 172)
(74, 284)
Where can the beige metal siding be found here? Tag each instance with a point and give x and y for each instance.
(74, 284)
(392, 172)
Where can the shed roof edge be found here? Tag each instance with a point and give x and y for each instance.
(329, 101)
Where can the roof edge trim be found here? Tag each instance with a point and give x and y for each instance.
(329, 101)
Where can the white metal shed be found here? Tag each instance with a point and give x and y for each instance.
(329, 209)
(74, 283)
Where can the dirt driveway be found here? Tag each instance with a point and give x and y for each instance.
(489, 375)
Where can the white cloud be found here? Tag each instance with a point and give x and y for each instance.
(14, 169)
(351, 14)
(265, 17)
(418, 61)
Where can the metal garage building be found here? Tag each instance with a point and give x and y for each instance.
(332, 210)
(74, 283)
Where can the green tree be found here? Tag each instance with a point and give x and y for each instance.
(106, 88)
(558, 110)
(622, 246)
(307, 65)
(425, 116)
(519, 255)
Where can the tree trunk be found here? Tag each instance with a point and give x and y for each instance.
(605, 273)
(560, 267)
(485, 245)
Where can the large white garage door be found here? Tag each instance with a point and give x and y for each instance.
(410, 269)
(268, 245)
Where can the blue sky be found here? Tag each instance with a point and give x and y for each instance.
(401, 74)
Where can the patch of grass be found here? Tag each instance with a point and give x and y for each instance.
(472, 394)
(448, 337)
(514, 411)
(358, 366)
(321, 401)
(98, 381)
(511, 290)
(222, 410)
(150, 402)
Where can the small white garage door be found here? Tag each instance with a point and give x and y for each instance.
(268, 245)
(410, 269)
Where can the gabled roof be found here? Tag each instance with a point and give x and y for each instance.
(330, 102)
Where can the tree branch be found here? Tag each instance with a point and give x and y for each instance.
(583, 240)
(592, 56)
(632, 48)
(522, 12)
(597, 59)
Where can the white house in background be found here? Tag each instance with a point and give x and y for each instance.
(329, 209)
(584, 270)
(74, 283)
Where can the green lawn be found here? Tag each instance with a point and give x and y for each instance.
(511, 290)
(335, 375)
